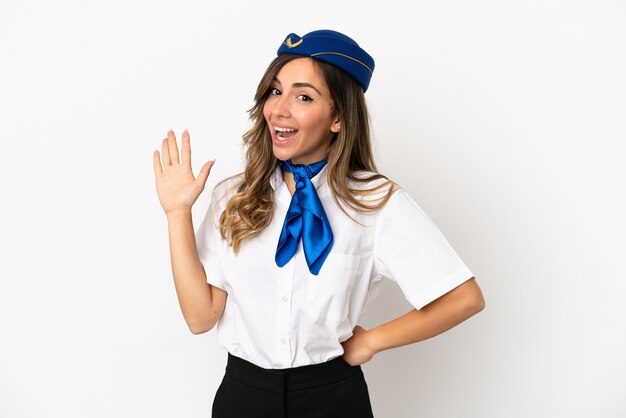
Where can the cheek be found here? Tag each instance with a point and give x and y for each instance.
(314, 121)
(266, 110)
(321, 125)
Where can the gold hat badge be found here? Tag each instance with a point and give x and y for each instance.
(292, 45)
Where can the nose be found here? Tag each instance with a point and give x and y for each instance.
(280, 106)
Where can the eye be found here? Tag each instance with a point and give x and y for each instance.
(304, 98)
(274, 91)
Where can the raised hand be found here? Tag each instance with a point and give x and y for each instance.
(176, 186)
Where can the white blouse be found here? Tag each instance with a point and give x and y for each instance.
(287, 317)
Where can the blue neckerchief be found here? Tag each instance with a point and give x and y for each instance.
(305, 219)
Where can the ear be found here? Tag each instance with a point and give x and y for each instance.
(336, 126)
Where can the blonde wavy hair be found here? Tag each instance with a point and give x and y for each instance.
(251, 208)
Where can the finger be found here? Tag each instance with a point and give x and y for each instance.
(204, 173)
(156, 162)
(186, 149)
(171, 140)
(166, 154)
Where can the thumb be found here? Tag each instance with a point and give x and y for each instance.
(203, 175)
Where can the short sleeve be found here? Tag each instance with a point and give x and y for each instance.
(210, 244)
(410, 250)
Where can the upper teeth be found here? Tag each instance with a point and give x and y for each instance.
(284, 129)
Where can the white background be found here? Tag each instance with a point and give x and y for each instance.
(503, 119)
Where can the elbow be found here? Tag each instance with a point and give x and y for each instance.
(475, 303)
(478, 304)
(198, 331)
(198, 328)
(469, 307)
(473, 300)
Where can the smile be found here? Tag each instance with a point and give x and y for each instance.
(284, 134)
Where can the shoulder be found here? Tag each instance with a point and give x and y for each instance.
(402, 207)
(365, 179)
(398, 202)
(370, 185)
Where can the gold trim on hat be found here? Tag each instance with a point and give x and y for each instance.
(291, 45)
(343, 55)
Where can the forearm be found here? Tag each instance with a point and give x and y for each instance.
(439, 316)
(192, 289)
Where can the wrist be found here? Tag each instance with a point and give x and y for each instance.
(178, 214)
(372, 341)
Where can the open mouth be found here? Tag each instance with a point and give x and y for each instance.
(285, 133)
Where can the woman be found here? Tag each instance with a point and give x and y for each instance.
(291, 250)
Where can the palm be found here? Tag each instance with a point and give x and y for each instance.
(177, 187)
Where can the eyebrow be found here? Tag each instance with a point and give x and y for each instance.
(301, 84)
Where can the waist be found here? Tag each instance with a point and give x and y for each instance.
(290, 379)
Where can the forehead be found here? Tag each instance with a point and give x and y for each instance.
(301, 70)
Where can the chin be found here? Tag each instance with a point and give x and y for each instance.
(282, 154)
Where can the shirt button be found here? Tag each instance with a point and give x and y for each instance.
(284, 298)
(282, 340)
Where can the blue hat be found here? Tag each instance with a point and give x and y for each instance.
(334, 48)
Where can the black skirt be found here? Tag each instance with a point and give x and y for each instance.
(326, 390)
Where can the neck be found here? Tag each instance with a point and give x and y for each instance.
(289, 181)
(306, 163)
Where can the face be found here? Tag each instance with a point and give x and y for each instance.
(298, 112)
